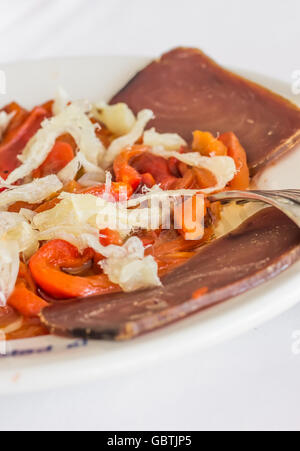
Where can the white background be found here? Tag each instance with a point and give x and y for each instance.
(251, 382)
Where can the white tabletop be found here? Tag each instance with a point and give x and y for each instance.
(251, 382)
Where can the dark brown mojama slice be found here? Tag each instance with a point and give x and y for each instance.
(261, 248)
(188, 91)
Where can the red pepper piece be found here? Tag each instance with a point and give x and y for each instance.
(61, 154)
(119, 191)
(235, 150)
(46, 268)
(158, 167)
(18, 138)
(124, 172)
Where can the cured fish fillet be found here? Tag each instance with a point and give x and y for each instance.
(188, 91)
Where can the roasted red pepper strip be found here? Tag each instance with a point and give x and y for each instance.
(205, 178)
(173, 164)
(46, 264)
(61, 154)
(207, 144)
(151, 169)
(188, 181)
(48, 106)
(158, 167)
(19, 117)
(148, 180)
(119, 191)
(67, 138)
(24, 298)
(108, 236)
(25, 301)
(9, 150)
(235, 150)
(124, 172)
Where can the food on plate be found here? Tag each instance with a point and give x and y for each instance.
(106, 228)
(188, 91)
(91, 205)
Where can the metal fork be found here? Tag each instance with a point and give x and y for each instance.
(288, 201)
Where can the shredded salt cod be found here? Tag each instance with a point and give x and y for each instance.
(16, 236)
(119, 119)
(169, 141)
(129, 139)
(34, 192)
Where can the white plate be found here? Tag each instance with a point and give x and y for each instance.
(46, 362)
